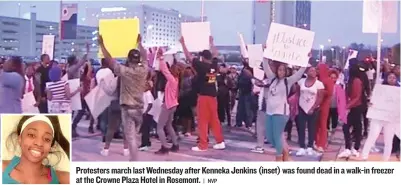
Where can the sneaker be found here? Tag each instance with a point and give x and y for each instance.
(143, 148)
(104, 152)
(355, 153)
(259, 150)
(266, 141)
(345, 154)
(219, 146)
(301, 152)
(310, 151)
(125, 152)
(187, 134)
(162, 151)
(174, 148)
(197, 149)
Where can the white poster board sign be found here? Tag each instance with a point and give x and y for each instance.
(97, 99)
(258, 73)
(371, 15)
(255, 53)
(76, 103)
(244, 51)
(28, 102)
(288, 44)
(385, 104)
(196, 35)
(48, 45)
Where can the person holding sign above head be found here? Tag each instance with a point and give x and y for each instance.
(169, 106)
(37, 136)
(277, 106)
(207, 102)
(132, 84)
(310, 98)
(377, 125)
(12, 84)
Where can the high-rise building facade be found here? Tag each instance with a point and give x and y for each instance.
(303, 14)
(266, 11)
(159, 27)
(23, 37)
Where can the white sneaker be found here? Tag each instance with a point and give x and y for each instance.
(219, 146)
(355, 153)
(301, 152)
(104, 152)
(125, 152)
(144, 148)
(257, 149)
(345, 154)
(310, 151)
(197, 149)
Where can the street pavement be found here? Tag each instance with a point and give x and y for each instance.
(238, 141)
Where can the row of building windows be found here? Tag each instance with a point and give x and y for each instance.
(10, 23)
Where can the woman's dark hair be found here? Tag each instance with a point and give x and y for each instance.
(86, 70)
(289, 72)
(17, 65)
(354, 73)
(385, 81)
(277, 65)
(58, 139)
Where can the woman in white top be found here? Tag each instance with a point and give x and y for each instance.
(311, 90)
(389, 129)
(277, 107)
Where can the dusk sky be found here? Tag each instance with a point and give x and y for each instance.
(339, 21)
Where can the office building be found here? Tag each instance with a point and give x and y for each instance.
(159, 27)
(291, 13)
(303, 14)
(23, 37)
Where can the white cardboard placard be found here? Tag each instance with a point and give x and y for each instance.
(196, 35)
(289, 45)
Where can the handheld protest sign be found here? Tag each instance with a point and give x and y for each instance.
(289, 45)
(119, 36)
(196, 35)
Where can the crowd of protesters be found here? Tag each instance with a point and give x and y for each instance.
(199, 96)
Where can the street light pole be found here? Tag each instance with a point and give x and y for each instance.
(202, 10)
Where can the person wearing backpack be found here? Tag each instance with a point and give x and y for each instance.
(277, 106)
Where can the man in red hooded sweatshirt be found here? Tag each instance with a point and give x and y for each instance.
(321, 126)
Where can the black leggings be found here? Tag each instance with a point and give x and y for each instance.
(354, 120)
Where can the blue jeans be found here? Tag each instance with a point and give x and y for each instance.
(275, 125)
(245, 110)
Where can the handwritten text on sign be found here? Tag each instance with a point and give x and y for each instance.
(289, 44)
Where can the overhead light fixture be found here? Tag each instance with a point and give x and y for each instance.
(113, 9)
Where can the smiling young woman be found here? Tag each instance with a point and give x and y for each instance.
(37, 137)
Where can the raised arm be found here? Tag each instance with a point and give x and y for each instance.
(166, 72)
(297, 76)
(187, 54)
(75, 68)
(109, 60)
(268, 71)
(142, 50)
(213, 48)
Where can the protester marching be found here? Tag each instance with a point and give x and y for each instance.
(154, 102)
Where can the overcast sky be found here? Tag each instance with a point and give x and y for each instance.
(339, 21)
